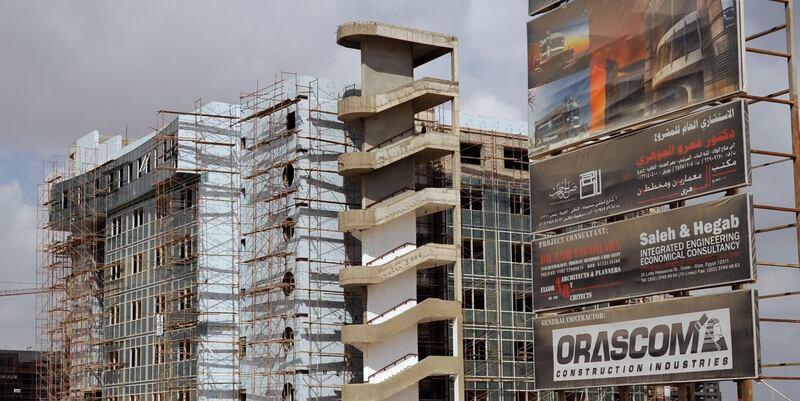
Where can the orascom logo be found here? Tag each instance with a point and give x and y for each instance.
(690, 342)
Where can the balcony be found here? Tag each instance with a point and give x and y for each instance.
(404, 377)
(429, 310)
(424, 93)
(424, 257)
(425, 45)
(423, 202)
(425, 147)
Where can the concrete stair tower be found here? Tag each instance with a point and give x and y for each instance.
(410, 273)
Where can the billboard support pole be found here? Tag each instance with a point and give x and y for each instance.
(744, 389)
(624, 393)
(794, 116)
(683, 393)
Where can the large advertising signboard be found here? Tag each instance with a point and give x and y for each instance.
(687, 248)
(690, 339)
(598, 66)
(540, 6)
(699, 154)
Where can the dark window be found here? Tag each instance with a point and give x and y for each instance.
(288, 338)
(288, 175)
(472, 199)
(288, 283)
(679, 43)
(520, 252)
(184, 350)
(242, 347)
(242, 395)
(185, 300)
(288, 229)
(523, 351)
(475, 349)
(291, 120)
(520, 204)
(515, 158)
(474, 299)
(472, 248)
(288, 392)
(471, 153)
(523, 301)
(138, 217)
(187, 198)
(476, 395)
(65, 199)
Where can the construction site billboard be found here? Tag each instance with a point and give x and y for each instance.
(705, 245)
(705, 152)
(596, 67)
(687, 339)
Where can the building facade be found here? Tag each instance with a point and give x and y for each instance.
(140, 251)
(18, 375)
(292, 307)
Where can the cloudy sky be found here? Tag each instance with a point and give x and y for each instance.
(67, 68)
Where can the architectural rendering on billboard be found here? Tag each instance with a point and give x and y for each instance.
(687, 248)
(688, 339)
(596, 66)
(540, 6)
(696, 155)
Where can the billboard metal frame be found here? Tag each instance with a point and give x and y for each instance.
(782, 98)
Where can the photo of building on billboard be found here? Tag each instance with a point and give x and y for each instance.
(596, 66)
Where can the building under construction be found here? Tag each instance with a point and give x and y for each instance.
(292, 307)
(138, 250)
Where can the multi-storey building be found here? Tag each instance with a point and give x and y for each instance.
(292, 307)
(18, 375)
(140, 254)
(496, 256)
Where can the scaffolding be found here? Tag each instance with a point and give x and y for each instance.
(137, 251)
(196, 206)
(70, 247)
(775, 159)
(292, 307)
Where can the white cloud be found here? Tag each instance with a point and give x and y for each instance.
(490, 106)
(18, 266)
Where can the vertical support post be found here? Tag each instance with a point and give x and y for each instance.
(682, 392)
(456, 172)
(561, 395)
(744, 390)
(624, 393)
(794, 116)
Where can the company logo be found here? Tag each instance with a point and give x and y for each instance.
(591, 184)
(692, 342)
